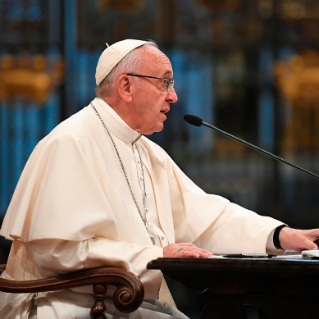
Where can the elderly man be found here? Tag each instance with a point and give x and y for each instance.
(96, 192)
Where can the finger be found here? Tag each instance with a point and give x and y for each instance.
(190, 253)
(311, 233)
(304, 244)
(310, 245)
(313, 236)
(190, 246)
(200, 252)
(205, 255)
(193, 247)
(177, 250)
(195, 254)
(203, 252)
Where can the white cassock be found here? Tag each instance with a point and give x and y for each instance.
(72, 209)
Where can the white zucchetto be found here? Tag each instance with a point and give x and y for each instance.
(112, 55)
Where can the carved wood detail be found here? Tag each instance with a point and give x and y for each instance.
(127, 297)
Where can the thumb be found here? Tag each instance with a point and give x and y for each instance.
(310, 245)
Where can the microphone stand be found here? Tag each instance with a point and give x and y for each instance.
(194, 120)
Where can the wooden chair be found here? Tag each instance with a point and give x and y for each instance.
(127, 297)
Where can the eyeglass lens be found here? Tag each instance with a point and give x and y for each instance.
(169, 83)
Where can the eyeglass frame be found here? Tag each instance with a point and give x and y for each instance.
(167, 82)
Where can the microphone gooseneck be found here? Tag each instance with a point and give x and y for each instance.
(197, 121)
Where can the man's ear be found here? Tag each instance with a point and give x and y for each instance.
(124, 88)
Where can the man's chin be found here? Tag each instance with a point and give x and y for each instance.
(156, 129)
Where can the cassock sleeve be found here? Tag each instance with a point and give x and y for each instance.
(238, 230)
(54, 256)
(213, 223)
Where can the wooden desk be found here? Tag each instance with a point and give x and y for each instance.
(277, 288)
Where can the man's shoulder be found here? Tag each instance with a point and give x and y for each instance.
(73, 130)
(72, 126)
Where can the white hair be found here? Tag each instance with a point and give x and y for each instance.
(131, 63)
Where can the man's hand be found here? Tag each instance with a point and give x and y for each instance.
(299, 240)
(185, 250)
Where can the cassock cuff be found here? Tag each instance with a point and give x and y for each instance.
(271, 239)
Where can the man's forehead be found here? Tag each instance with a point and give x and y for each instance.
(158, 62)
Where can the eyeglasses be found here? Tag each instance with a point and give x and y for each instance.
(167, 82)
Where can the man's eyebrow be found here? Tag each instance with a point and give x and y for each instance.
(168, 72)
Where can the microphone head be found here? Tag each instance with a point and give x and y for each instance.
(193, 119)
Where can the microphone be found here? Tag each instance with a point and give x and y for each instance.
(197, 121)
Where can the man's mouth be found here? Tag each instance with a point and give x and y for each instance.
(165, 110)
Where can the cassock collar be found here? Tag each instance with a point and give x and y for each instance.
(114, 122)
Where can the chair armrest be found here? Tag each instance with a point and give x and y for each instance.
(127, 297)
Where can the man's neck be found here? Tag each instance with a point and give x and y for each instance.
(122, 109)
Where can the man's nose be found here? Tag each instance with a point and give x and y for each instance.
(171, 95)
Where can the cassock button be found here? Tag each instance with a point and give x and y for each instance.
(162, 237)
